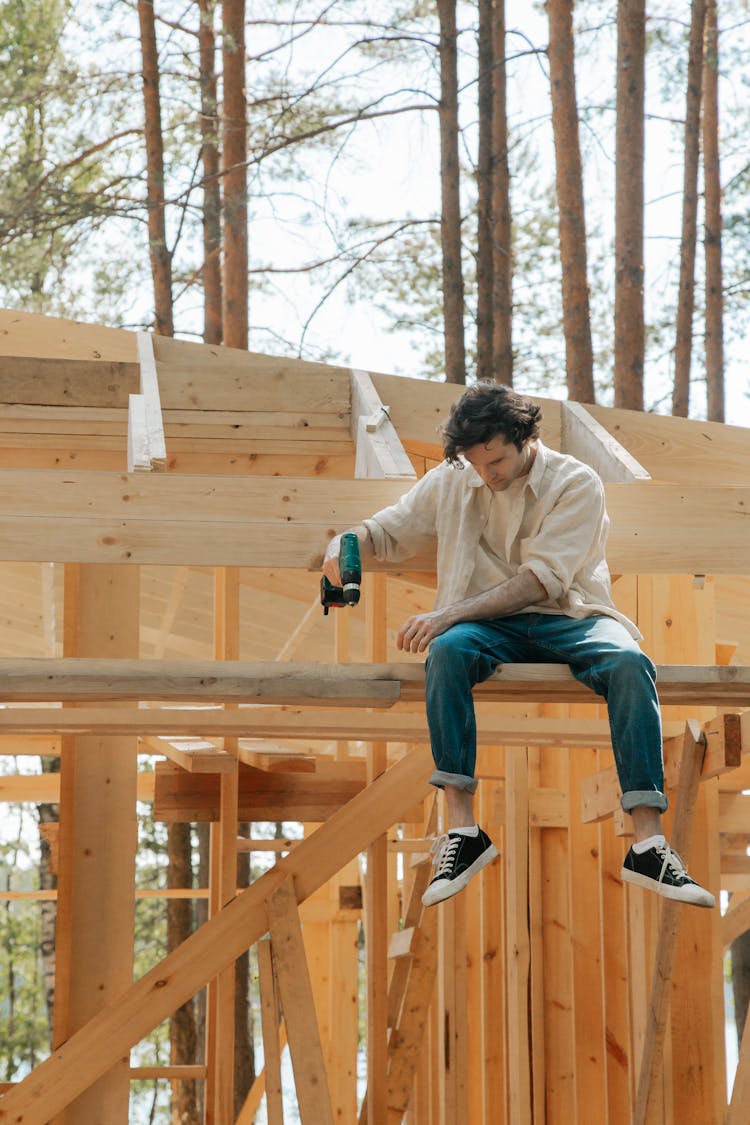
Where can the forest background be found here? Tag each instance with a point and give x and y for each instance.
(538, 193)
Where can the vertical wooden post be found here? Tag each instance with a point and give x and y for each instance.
(517, 922)
(376, 887)
(223, 875)
(98, 839)
(493, 959)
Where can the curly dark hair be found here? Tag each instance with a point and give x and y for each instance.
(485, 411)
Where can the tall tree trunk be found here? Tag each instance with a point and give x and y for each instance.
(234, 154)
(161, 259)
(686, 293)
(629, 157)
(485, 258)
(502, 242)
(712, 233)
(579, 359)
(450, 175)
(212, 320)
(182, 1028)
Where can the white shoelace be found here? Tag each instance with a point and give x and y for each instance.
(671, 860)
(444, 848)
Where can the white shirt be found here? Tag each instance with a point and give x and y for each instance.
(553, 522)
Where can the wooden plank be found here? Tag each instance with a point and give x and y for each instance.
(139, 451)
(418, 410)
(160, 518)
(736, 921)
(683, 450)
(269, 1016)
(65, 382)
(37, 724)
(31, 334)
(518, 938)
(45, 788)
(81, 679)
(295, 992)
(200, 377)
(585, 438)
(262, 795)
(149, 389)
(380, 454)
(197, 757)
(407, 1037)
(651, 1061)
(34, 679)
(97, 841)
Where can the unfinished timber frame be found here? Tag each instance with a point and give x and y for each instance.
(164, 508)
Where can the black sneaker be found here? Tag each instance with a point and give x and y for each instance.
(458, 859)
(660, 869)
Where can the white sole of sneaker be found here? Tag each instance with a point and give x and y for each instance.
(691, 896)
(447, 888)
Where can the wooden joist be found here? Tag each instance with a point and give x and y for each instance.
(303, 796)
(585, 438)
(380, 453)
(223, 520)
(354, 685)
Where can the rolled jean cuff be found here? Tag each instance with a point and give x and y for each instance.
(650, 797)
(458, 780)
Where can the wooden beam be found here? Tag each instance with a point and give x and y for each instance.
(651, 1061)
(286, 723)
(736, 921)
(149, 393)
(48, 515)
(295, 993)
(585, 438)
(31, 679)
(262, 795)
(194, 757)
(380, 454)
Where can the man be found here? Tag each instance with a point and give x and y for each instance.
(522, 577)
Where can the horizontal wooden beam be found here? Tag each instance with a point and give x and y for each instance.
(39, 680)
(262, 795)
(31, 729)
(218, 520)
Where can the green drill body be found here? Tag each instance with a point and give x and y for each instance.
(350, 565)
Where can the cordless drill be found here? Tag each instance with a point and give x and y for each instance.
(350, 566)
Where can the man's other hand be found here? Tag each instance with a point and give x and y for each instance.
(417, 631)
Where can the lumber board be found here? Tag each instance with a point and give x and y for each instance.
(149, 392)
(380, 453)
(671, 911)
(47, 515)
(283, 723)
(66, 382)
(683, 450)
(585, 438)
(36, 679)
(82, 679)
(31, 334)
(296, 996)
(263, 795)
(200, 377)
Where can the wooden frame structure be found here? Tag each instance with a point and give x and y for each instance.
(164, 511)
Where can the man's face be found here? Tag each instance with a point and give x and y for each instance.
(499, 463)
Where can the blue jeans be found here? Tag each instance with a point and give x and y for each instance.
(601, 654)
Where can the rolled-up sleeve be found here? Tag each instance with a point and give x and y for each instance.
(401, 530)
(570, 537)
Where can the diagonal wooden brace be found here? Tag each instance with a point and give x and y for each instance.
(653, 1045)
